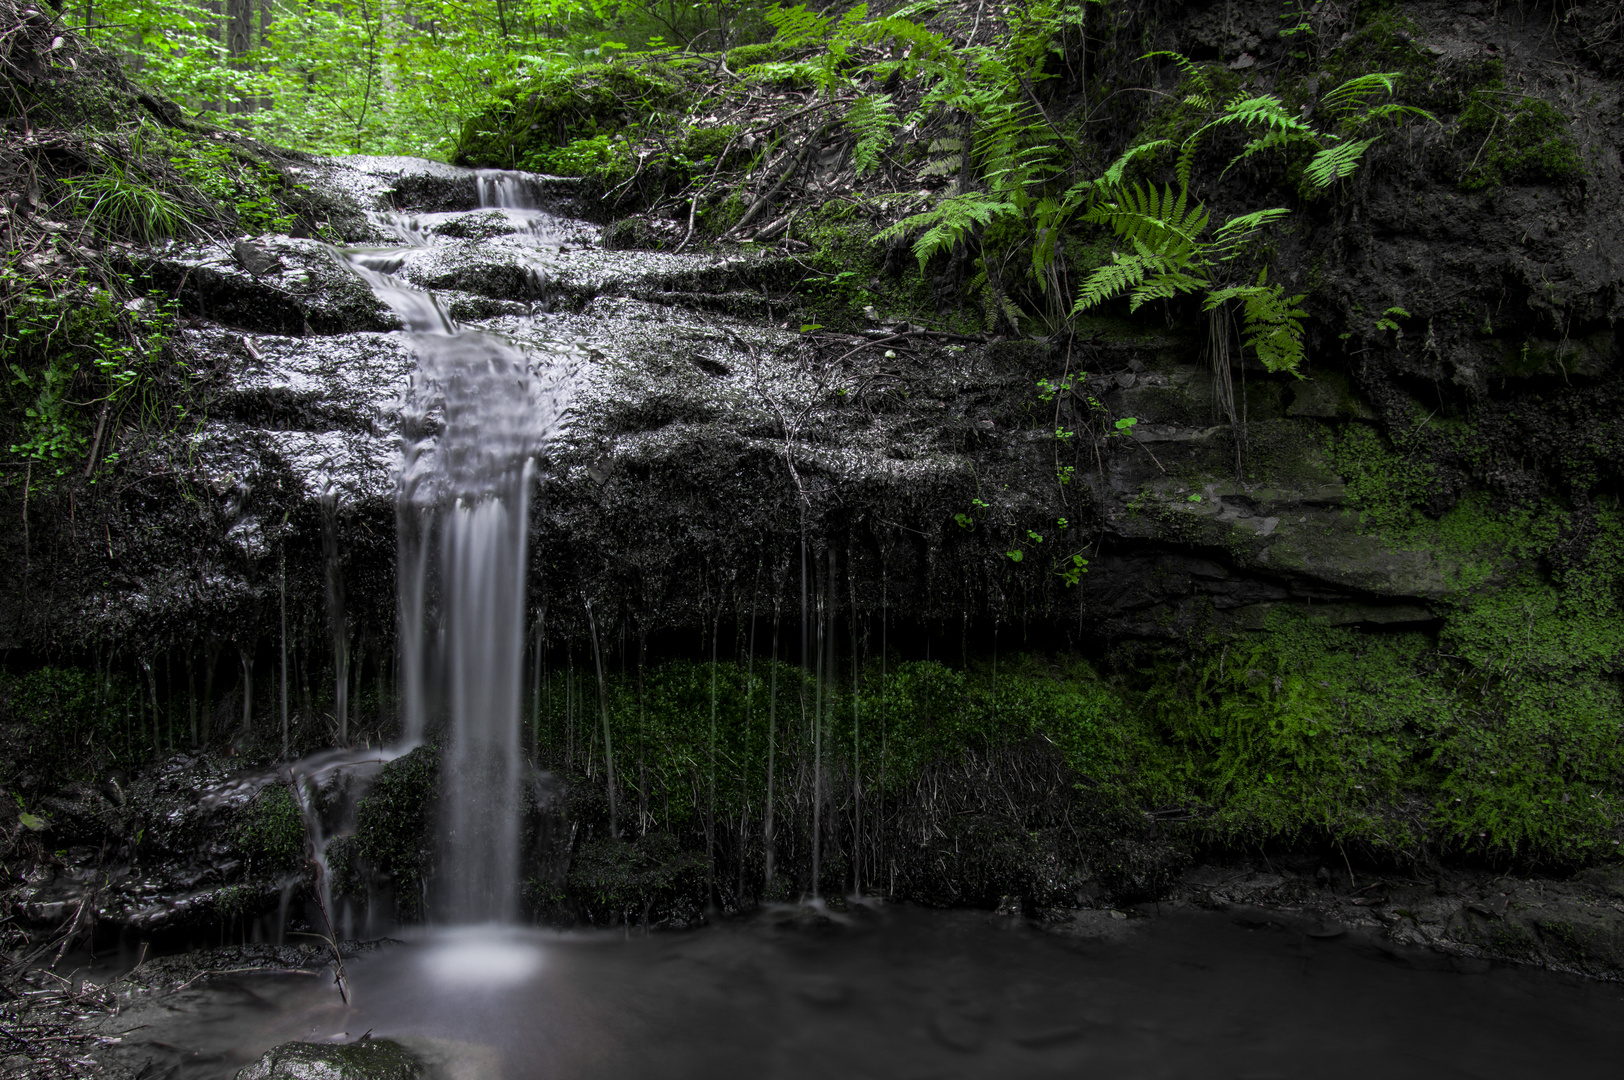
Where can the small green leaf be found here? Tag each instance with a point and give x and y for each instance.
(32, 822)
(807, 328)
(1016, 555)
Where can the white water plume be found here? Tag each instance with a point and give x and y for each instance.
(475, 418)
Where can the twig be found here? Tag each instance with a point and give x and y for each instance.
(242, 971)
(767, 199)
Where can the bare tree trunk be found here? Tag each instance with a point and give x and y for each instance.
(265, 16)
(239, 39)
(246, 653)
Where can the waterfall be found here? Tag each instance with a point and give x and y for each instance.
(477, 413)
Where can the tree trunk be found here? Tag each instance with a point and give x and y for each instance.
(239, 39)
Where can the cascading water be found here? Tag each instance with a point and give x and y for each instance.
(479, 410)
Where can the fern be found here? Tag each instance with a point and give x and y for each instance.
(1335, 162)
(923, 44)
(1118, 168)
(948, 222)
(1227, 239)
(1163, 223)
(1271, 322)
(872, 121)
(1192, 71)
(1351, 95)
(1122, 273)
(798, 26)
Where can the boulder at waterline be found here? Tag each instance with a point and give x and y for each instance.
(366, 1059)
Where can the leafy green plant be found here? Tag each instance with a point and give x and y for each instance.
(79, 351)
(120, 201)
(872, 120)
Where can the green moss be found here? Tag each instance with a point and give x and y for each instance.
(270, 832)
(394, 837)
(1387, 481)
(852, 275)
(1517, 141)
(559, 109)
(75, 345)
(747, 55)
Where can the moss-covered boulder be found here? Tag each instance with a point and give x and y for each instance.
(368, 1059)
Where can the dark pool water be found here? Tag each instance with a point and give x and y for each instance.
(908, 995)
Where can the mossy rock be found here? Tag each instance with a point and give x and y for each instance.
(369, 1059)
(764, 53)
(270, 831)
(394, 828)
(1521, 141)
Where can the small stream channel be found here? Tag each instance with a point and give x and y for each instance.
(910, 994)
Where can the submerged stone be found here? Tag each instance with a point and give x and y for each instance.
(366, 1059)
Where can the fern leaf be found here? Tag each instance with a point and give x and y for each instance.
(1266, 111)
(798, 26)
(871, 119)
(1123, 272)
(1227, 239)
(924, 45)
(1165, 286)
(949, 222)
(1272, 140)
(1191, 69)
(1352, 94)
(1335, 162)
(1382, 112)
(1112, 177)
(1271, 322)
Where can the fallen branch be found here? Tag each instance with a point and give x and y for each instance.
(767, 199)
(243, 971)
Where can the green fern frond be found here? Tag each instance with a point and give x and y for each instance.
(1122, 273)
(871, 119)
(923, 44)
(1228, 237)
(1165, 286)
(949, 222)
(798, 26)
(1274, 140)
(1335, 162)
(1113, 175)
(1352, 94)
(1191, 69)
(1271, 322)
(1382, 112)
(1265, 110)
(1160, 221)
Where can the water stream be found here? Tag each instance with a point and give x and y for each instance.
(478, 413)
(900, 993)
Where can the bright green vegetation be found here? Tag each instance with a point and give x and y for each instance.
(81, 355)
(394, 831)
(88, 343)
(361, 76)
(1498, 738)
(1519, 140)
(270, 832)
